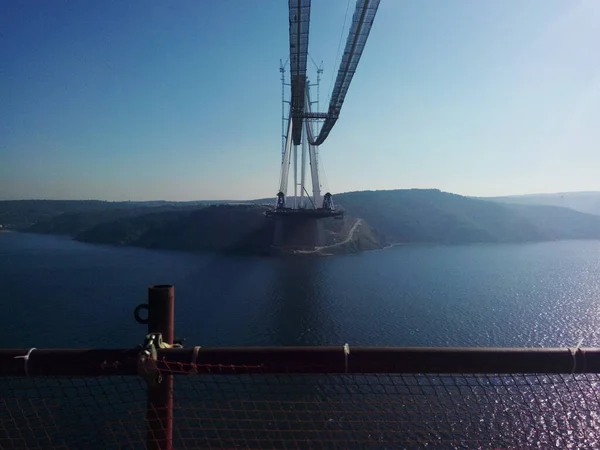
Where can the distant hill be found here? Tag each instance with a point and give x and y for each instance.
(230, 228)
(223, 228)
(24, 213)
(19, 214)
(586, 202)
(74, 223)
(429, 215)
(386, 217)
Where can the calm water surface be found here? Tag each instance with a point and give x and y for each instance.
(55, 292)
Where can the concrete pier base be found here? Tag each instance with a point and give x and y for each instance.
(297, 233)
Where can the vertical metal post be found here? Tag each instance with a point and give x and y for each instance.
(283, 138)
(295, 175)
(313, 157)
(303, 164)
(159, 414)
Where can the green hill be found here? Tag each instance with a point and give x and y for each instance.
(429, 215)
(586, 202)
(240, 229)
(398, 216)
(22, 214)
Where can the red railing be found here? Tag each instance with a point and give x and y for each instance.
(161, 397)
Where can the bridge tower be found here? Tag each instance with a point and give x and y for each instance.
(296, 218)
(300, 159)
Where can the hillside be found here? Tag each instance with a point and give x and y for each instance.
(373, 219)
(24, 213)
(424, 215)
(21, 214)
(128, 229)
(240, 229)
(586, 202)
(225, 228)
(74, 223)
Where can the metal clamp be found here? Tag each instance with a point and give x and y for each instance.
(147, 367)
(147, 359)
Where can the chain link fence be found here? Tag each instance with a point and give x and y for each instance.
(259, 411)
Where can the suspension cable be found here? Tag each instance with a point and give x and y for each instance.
(338, 53)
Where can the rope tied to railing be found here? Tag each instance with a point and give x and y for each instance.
(194, 368)
(573, 352)
(346, 353)
(25, 358)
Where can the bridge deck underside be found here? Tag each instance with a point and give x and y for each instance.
(299, 28)
(362, 21)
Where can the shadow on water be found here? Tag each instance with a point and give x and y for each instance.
(299, 315)
(242, 301)
(255, 410)
(213, 298)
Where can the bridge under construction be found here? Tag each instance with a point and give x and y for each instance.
(296, 217)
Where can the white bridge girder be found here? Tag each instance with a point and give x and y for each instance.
(285, 163)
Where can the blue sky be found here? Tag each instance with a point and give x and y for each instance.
(180, 100)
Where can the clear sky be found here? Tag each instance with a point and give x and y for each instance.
(180, 100)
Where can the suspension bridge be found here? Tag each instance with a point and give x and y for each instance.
(307, 129)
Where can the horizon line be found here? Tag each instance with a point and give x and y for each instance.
(291, 196)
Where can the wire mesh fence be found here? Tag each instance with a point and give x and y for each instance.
(61, 413)
(391, 411)
(258, 410)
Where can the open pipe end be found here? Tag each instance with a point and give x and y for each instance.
(160, 286)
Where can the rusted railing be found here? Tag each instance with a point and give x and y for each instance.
(302, 360)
